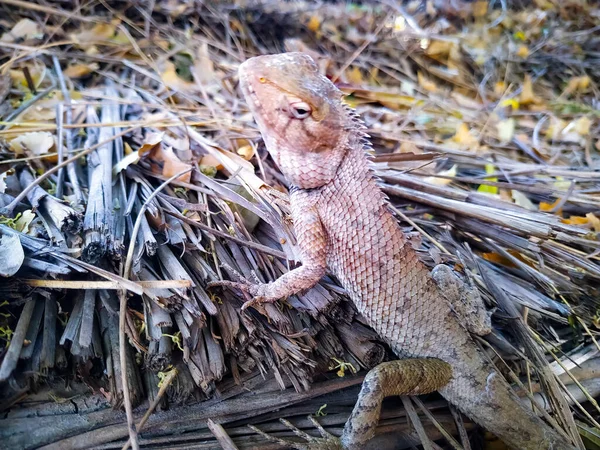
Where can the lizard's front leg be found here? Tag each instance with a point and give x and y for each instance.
(313, 251)
(465, 300)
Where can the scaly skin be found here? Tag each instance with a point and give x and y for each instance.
(343, 224)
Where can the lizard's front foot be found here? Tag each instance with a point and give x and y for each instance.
(327, 441)
(260, 292)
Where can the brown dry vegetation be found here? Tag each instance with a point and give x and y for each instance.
(123, 119)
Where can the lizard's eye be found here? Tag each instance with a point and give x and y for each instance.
(300, 110)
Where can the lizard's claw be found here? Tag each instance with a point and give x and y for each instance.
(327, 441)
(255, 288)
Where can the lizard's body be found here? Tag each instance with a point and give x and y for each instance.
(343, 224)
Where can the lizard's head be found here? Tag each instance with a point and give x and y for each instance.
(299, 114)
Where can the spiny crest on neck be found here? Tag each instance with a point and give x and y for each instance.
(364, 142)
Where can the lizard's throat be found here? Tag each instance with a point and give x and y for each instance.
(308, 170)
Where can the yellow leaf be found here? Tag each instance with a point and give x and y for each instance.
(522, 51)
(80, 70)
(512, 102)
(19, 81)
(498, 259)
(173, 81)
(439, 48)
(354, 76)
(314, 24)
(595, 221)
(506, 130)
(519, 35)
(550, 206)
(480, 8)
(582, 126)
(98, 33)
(463, 136)
(527, 96)
(486, 189)
(426, 83)
(451, 172)
(577, 84)
(575, 220)
(34, 143)
(499, 89)
(246, 152)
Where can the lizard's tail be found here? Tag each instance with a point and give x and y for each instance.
(487, 399)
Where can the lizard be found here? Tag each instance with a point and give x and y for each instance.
(344, 225)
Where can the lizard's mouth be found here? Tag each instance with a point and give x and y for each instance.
(249, 91)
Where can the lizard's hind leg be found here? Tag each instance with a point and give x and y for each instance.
(400, 377)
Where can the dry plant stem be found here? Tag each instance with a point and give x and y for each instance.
(221, 435)
(16, 344)
(68, 139)
(8, 209)
(123, 311)
(414, 417)
(163, 388)
(74, 284)
(49, 10)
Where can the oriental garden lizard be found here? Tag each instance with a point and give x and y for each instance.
(344, 225)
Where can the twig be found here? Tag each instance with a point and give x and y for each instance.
(163, 388)
(123, 310)
(16, 343)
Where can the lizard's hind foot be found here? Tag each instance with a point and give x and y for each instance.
(327, 441)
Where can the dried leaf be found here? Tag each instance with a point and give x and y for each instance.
(451, 172)
(203, 69)
(80, 70)
(34, 143)
(527, 96)
(486, 189)
(11, 254)
(211, 161)
(246, 152)
(99, 33)
(24, 220)
(353, 76)
(522, 200)
(172, 165)
(480, 9)
(547, 207)
(23, 30)
(595, 221)
(506, 130)
(522, 51)
(314, 24)
(577, 85)
(426, 83)
(464, 137)
(173, 81)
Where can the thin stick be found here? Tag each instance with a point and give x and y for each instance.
(48, 10)
(112, 285)
(123, 310)
(163, 388)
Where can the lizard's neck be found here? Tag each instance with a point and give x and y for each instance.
(356, 170)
